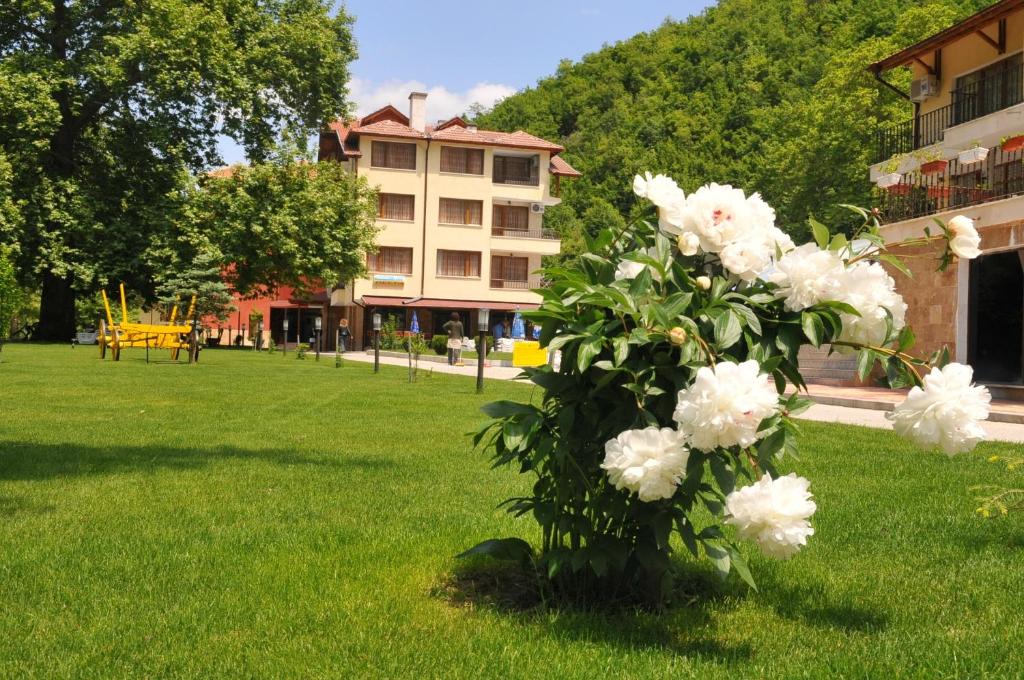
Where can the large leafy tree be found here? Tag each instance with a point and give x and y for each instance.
(108, 104)
(283, 222)
(770, 95)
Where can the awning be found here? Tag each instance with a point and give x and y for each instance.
(381, 301)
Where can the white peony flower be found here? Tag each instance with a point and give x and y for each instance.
(946, 412)
(627, 269)
(725, 405)
(704, 282)
(867, 287)
(747, 258)
(965, 239)
(807, 276)
(718, 214)
(774, 513)
(660, 190)
(649, 462)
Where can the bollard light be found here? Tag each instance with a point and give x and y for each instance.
(284, 340)
(376, 342)
(483, 316)
(317, 326)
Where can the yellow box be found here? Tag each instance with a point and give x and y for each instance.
(528, 353)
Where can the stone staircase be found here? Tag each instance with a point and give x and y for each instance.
(838, 370)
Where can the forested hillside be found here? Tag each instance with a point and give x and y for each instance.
(769, 95)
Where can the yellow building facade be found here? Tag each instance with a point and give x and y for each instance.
(461, 217)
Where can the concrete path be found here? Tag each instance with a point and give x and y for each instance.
(876, 402)
(490, 372)
(869, 417)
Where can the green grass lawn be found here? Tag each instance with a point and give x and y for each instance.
(259, 516)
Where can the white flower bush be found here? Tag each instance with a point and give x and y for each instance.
(773, 512)
(678, 380)
(649, 462)
(945, 412)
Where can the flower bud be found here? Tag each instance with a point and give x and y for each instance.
(688, 244)
(677, 335)
(703, 282)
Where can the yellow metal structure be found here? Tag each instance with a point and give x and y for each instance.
(528, 353)
(170, 336)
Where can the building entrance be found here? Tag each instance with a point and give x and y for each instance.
(995, 341)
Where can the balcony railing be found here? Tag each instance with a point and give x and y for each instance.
(998, 91)
(506, 232)
(518, 284)
(1000, 175)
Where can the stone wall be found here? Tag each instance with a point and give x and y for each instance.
(931, 298)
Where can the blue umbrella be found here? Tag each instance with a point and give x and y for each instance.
(415, 327)
(518, 330)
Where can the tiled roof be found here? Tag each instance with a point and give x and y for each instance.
(389, 122)
(222, 173)
(559, 166)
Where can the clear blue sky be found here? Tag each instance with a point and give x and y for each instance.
(462, 53)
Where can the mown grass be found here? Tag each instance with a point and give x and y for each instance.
(259, 516)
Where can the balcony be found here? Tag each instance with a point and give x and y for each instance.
(535, 233)
(517, 283)
(999, 90)
(1000, 175)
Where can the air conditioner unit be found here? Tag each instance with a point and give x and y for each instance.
(924, 88)
(537, 208)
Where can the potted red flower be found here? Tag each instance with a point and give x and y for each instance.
(1012, 143)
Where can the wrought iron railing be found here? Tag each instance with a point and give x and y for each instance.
(958, 185)
(507, 232)
(519, 284)
(995, 92)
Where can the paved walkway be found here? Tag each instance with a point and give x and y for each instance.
(864, 406)
(490, 372)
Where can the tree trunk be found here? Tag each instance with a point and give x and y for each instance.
(57, 310)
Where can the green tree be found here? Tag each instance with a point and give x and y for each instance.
(106, 105)
(281, 223)
(770, 95)
(203, 277)
(11, 295)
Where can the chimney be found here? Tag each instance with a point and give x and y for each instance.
(418, 111)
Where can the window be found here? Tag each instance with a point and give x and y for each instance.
(459, 211)
(393, 155)
(464, 161)
(462, 263)
(389, 260)
(516, 170)
(510, 218)
(989, 89)
(509, 272)
(395, 206)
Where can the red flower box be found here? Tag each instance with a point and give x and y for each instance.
(938, 192)
(1013, 144)
(934, 167)
(899, 189)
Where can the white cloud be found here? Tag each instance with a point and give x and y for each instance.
(442, 103)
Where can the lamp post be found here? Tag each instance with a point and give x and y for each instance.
(317, 327)
(483, 316)
(257, 344)
(376, 342)
(284, 339)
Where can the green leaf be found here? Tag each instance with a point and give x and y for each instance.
(897, 263)
(865, 362)
(820, 232)
(620, 344)
(727, 329)
(740, 565)
(719, 558)
(724, 475)
(812, 326)
(504, 409)
(506, 549)
(588, 349)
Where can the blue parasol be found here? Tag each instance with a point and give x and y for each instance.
(415, 326)
(518, 330)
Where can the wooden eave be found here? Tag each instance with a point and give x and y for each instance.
(974, 24)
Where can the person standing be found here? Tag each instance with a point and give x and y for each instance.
(453, 327)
